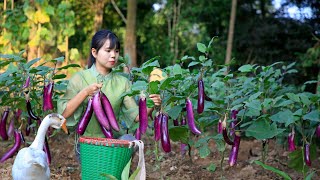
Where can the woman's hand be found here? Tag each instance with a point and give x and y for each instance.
(156, 99)
(92, 89)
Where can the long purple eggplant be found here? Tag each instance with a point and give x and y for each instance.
(235, 149)
(201, 96)
(306, 153)
(291, 144)
(11, 127)
(183, 146)
(84, 121)
(165, 138)
(219, 128)
(3, 125)
(190, 118)
(27, 83)
(46, 149)
(143, 114)
(137, 134)
(157, 126)
(233, 122)
(18, 138)
(225, 132)
(109, 112)
(99, 112)
(318, 131)
(29, 108)
(107, 133)
(47, 96)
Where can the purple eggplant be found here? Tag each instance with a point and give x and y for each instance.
(11, 127)
(234, 114)
(318, 131)
(27, 83)
(183, 121)
(157, 126)
(235, 149)
(137, 134)
(18, 138)
(165, 138)
(200, 96)
(143, 114)
(183, 146)
(46, 149)
(3, 125)
(219, 127)
(175, 122)
(225, 132)
(306, 153)
(107, 133)
(99, 112)
(109, 112)
(291, 145)
(84, 121)
(29, 108)
(190, 118)
(47, 96)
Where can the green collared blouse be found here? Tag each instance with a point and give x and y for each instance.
(114, 85)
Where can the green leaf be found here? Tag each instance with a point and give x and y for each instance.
(30, 63)
(58, 59)
(261, 129)
(179, 133)
(305, 99)
(202, 58)
(293, 97)
(150, 103)
(204, 151)
(68, 66)
(135, 173)
(309, 177)
(139, 86)
(285, 116)
(246, 68)
(212, 167)
(312, 116)
(174, 112)
(275, 170)
(193, 63)
(153, 87)
(59, 76)
(255, 96)
(201, 47)
(177, 69)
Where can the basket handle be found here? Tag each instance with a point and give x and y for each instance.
(141, 164)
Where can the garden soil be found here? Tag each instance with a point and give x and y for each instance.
(173, 165)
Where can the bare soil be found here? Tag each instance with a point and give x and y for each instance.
(173, 165)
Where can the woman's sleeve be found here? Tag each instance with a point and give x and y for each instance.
(73, 88)
(129, 108)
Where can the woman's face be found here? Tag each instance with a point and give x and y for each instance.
(106, 58)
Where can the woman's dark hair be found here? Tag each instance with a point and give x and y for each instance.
(98, 41)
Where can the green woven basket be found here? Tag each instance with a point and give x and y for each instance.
(102, 157)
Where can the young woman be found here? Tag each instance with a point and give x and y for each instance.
(105, 48)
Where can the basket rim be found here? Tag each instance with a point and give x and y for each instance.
(104, 141)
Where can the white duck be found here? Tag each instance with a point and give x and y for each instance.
(31, 162)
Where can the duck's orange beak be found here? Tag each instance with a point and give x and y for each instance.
(64, 127)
